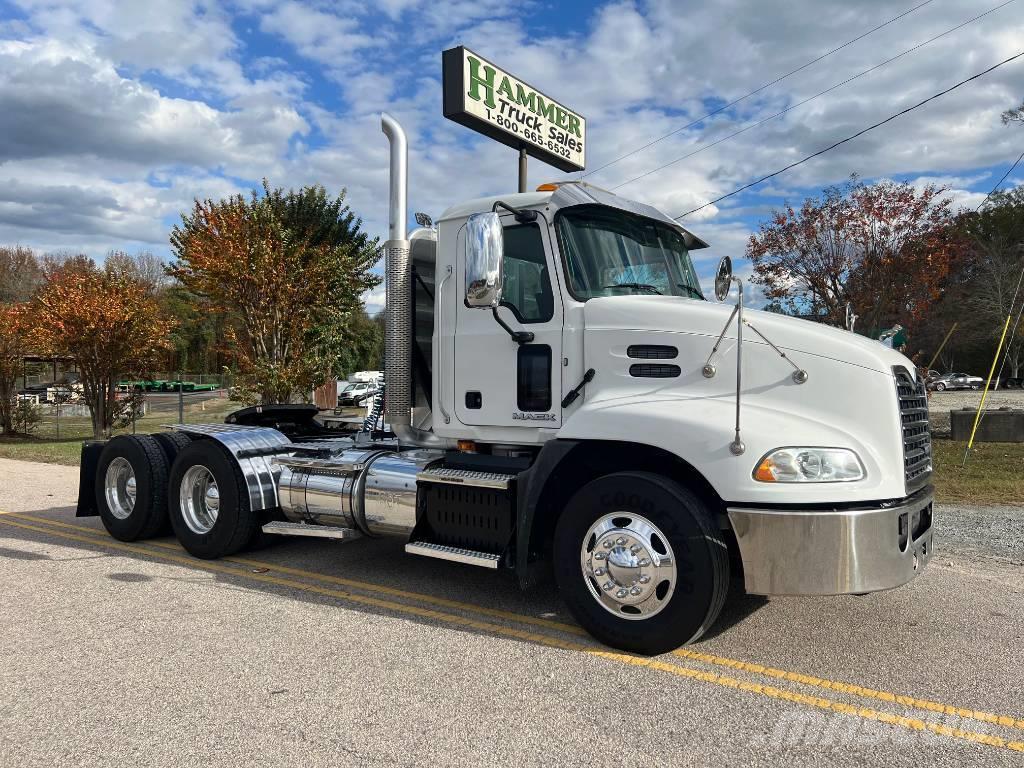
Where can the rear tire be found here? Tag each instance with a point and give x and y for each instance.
(623, 521)
(131, 487)
(940, 387)
(208, 501)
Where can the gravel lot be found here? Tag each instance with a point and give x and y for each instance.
(318, 653)
(941, 403)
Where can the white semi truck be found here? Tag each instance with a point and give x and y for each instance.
(562, 399)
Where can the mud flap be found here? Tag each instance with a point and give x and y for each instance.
(91, 450)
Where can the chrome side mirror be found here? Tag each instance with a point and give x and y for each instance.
(723, 278)
(484, 259)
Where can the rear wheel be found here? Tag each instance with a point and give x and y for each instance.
(131, 487)
(940, 387)
(208, 501)
(640, 563)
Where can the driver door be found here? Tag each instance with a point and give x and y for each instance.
(497, 381)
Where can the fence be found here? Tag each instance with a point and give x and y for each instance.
(71, 421)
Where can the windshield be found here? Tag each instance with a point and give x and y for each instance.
(609, 252)
(349, 388)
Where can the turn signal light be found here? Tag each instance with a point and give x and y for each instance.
(549, 187)
(467, 446)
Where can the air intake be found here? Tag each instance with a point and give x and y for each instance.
(651, 352)
(653, 371)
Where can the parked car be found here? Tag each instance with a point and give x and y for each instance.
(356, 392)
(956, 381)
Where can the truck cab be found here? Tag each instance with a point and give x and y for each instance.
(563, 400)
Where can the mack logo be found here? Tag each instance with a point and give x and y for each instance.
(517, 416)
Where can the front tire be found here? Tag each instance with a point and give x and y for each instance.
(640, 562)
(208, 501)
(940, 387)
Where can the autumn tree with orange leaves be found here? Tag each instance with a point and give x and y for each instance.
(287, 270)
(888, 249)
(15, 343)
(107, 321)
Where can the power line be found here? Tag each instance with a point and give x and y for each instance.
(758, 90)
(1000, 182)
(852, 137)
(812, 98)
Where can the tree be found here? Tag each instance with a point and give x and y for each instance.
(149, 269)
(887, 249)
(108, 322)
(20, 273)
(15, 337)
(1015, 115)
(996, 239)
(287, 270)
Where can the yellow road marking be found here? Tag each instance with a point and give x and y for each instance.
(553, 642)
(707, 658)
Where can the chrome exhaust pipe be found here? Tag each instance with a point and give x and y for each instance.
(398, 276)
(398, 280)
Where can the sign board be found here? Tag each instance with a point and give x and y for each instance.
(479, 95)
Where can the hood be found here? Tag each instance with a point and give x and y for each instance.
(676, 314)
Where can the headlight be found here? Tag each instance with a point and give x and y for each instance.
(809, 465)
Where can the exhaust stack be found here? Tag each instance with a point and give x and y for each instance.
(398, 275)
(398, 279)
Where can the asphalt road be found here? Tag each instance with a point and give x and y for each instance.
(320, 653)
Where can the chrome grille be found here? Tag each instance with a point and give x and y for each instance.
(917, 441)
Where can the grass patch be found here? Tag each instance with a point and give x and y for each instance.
(46, 451)
(994, 473)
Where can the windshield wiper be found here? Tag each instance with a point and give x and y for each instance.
(634, 286)
(692, 290)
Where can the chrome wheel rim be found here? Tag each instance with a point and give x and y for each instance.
(200, 499)
(119, 488)
(628, 565)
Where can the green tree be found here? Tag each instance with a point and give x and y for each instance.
(286, 270)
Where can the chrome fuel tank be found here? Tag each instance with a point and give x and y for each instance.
(369, 490)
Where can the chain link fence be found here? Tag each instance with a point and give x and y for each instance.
(151, 412)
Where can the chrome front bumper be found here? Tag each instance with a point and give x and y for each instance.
(833, 552)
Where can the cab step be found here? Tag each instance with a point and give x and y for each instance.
(465, 477)
(455, 554)
(282, 528)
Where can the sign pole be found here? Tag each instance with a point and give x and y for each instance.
(522, 169)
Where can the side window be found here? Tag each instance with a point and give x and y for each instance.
(526, 285)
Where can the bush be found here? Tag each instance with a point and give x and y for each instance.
(27, 417)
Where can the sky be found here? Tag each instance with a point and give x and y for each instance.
(116, 114)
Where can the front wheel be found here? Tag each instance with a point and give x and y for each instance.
(940, 387)
(640, 562)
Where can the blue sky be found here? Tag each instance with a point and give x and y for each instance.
(116, 114)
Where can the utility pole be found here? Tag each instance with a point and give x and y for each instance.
(522, 169)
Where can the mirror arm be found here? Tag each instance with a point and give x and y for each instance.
(522, 216)
(519, 337)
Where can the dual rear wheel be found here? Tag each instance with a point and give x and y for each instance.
(149, 483)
